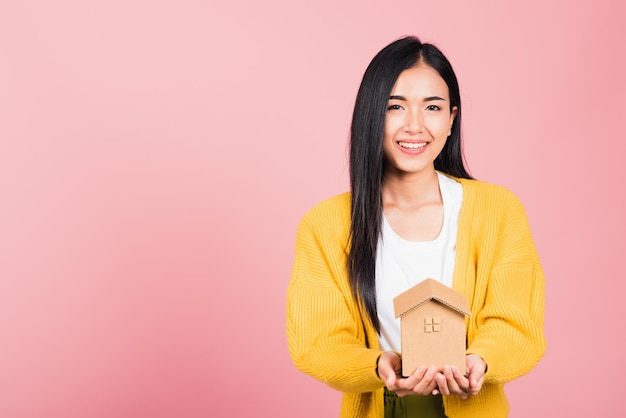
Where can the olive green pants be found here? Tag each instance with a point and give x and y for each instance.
(413, 406)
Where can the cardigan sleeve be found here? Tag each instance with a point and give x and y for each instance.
(325, 332)
(509, 326)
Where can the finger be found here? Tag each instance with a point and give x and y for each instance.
(457, 383)
(390, 381)
(475, 378)
(420, 382)
(427, 383)
(476, 368)
(461, 381)
(417, 390)
(474, 389)
(410, 382)
(386, 375)
(442, 384)
(453, 385)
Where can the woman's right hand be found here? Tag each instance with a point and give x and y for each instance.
(421, 382)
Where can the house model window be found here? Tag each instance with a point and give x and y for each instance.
(432, 324)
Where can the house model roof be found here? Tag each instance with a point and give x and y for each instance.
(426, 290)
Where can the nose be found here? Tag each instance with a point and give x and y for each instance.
(414, 121)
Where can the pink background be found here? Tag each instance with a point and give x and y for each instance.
(156, 156)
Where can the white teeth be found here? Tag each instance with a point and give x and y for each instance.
(412, 145)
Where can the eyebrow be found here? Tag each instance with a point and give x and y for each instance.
(427, 99)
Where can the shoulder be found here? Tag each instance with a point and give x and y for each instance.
(330, 216)
(331, 206)
(492, 210)
(489, 204)
(482, 195)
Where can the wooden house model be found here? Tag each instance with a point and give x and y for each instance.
(432, 326)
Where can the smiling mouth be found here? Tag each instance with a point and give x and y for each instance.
(412, 145)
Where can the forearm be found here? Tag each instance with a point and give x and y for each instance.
(509, 329)
(327, 339)
(347, 368)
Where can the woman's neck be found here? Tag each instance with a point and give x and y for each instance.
(413, 206)
(411, 191)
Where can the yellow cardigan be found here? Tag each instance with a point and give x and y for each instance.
(496, 267)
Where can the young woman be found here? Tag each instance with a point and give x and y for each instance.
(413, 213)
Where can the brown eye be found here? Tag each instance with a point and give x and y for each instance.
(394, 107)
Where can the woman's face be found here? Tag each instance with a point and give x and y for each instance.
(418, 121)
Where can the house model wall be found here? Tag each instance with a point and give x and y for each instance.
(432, 321)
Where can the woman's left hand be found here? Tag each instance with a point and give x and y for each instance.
(453, 382)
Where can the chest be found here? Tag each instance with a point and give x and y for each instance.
(423, 223)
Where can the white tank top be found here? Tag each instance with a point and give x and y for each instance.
(401, 264)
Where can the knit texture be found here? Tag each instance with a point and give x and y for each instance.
(496, 267)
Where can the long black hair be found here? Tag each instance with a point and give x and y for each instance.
(367, 159)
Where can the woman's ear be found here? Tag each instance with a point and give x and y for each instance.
(453, 113)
